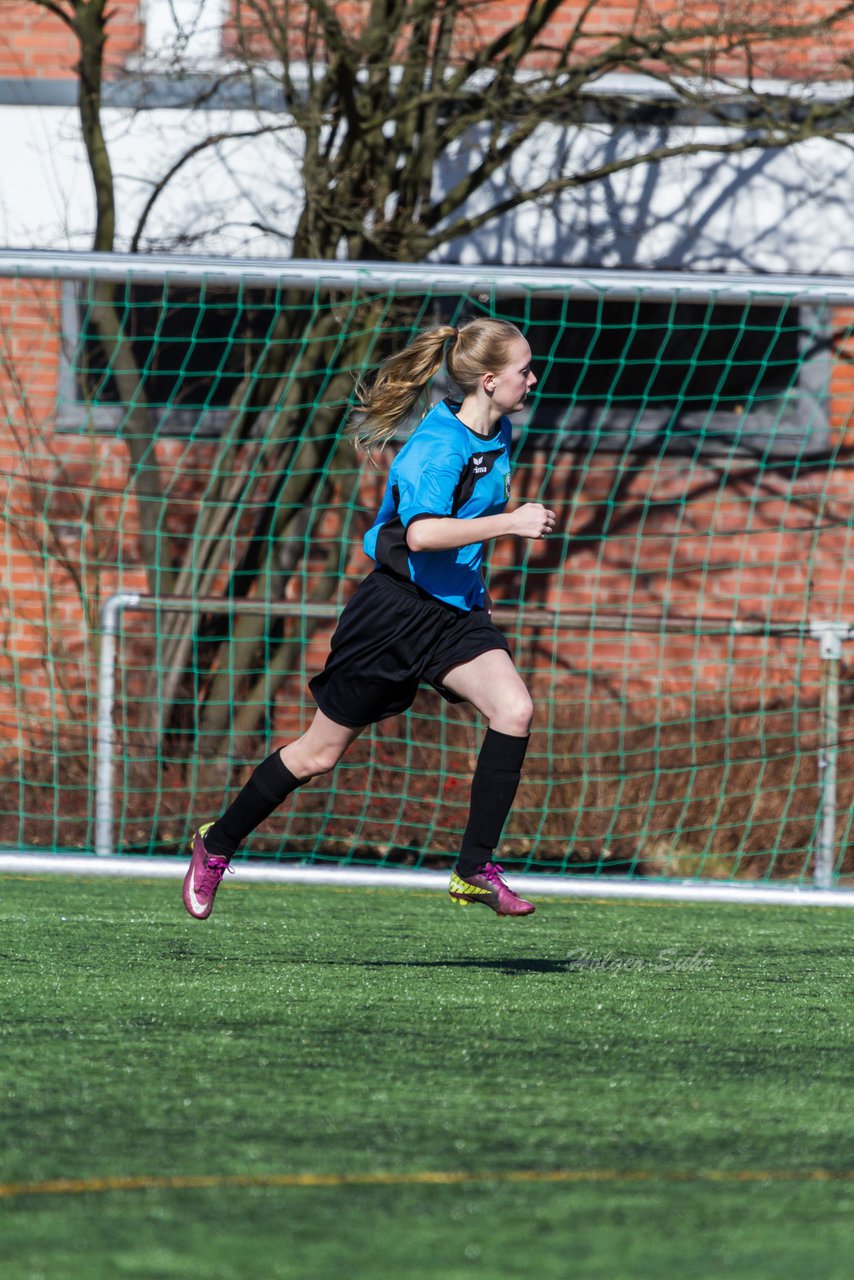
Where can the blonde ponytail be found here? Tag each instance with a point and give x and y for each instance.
(478, 347)
(399, 385)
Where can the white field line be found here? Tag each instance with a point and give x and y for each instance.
(538, 886)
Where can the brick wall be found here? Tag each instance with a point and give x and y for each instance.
(36, 44)
(779, 56)
(842, 380)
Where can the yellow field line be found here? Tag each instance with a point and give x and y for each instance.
(191, 1182)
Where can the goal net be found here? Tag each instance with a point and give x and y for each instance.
(173, 434)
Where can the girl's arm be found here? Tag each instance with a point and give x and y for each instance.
(446, 533)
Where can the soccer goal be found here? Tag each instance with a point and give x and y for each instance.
(182, 518)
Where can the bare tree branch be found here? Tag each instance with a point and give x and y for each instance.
(57, 11)
(212, 140)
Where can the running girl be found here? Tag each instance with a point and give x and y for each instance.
(423, 614)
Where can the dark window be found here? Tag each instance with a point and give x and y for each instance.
(674, 375)
(193, 348)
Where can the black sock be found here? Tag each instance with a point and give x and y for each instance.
(269, 785)
(493, 790)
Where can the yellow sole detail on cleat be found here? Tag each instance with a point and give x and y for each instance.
(462, 886)
(460, 902)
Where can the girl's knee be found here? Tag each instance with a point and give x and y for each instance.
(515, 714)
(305, 761)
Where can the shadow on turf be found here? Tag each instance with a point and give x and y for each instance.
(511, 967)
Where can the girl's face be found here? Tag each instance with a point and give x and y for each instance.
(508, 389)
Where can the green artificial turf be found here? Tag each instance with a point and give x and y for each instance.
(688, 1065)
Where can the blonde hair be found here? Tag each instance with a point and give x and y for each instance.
(475, 348)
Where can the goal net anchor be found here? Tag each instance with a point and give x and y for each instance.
(831, 637)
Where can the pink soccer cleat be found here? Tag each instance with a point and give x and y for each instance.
(203, 876)
(488, 887)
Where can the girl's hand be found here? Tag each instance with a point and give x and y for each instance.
(532, 520)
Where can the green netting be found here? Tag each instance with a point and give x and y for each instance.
(178, 434)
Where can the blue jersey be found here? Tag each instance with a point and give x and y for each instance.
(444, 469)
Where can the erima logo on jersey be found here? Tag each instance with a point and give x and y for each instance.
(479, 468)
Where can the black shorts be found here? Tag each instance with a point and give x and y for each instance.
(390, 637)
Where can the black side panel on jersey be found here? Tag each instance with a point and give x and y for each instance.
(391, 542)
(479, 464)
